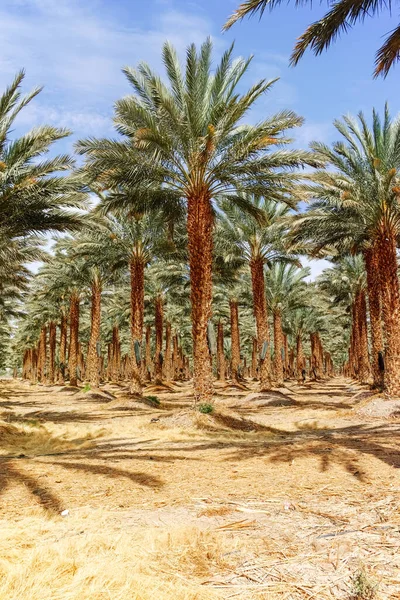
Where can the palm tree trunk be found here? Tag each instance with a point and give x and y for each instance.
(200, 223)
(300, 357)
(356, 340)
(115, 355)
(220, 352)
(92, 362)
(81, 364)
(285, 355)
(261, 316)
(42, 359)
(137, 312)
(168, 354)
(63, 348)
(254, 358)
(175, 357)
(387, 260)
(291, 363)
(278, 347)
(235, 339)
(363, 360)
(73, 339)
(52, 349)
(148, 363)
(375, 314)
(159, 326)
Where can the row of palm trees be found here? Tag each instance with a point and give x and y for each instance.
(62, 295)
(189, 190)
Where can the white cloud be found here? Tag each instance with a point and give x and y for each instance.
(316, 266)
(88, 123)
(77, 50)
(309, 132)
(71, 46)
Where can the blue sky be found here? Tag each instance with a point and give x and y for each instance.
(76, 49)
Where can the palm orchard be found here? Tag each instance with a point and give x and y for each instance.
(188, 265)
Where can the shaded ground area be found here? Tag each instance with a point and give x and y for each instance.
(289, 494)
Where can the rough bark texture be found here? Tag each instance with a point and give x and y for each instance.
(220, 352)
(278, 347)
(81, 363)
(261, 316)
(92, 363)
(387, 260)
(63, 349)
(137, 312)
(200, 240)
(254, 358)
(73, 339)
(375, 314)
(52, 350)
(159, 326)
(235, 339)
(148, 362)
(175, 357)
(115, 355)
(300, 362)
(285, 355)
(363, 357)
(168, 353)
(42, 355)
(291, 363)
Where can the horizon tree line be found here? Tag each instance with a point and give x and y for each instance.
(197, 213)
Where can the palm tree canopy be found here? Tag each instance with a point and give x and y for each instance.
(355, 198)
(244, 238)
(344, 280)
(340, 17)
(286, 288)
(34, 197)
(186, 137)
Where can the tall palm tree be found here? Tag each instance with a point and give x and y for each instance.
(286, 291)
(128, 241)
(341, 16)
(187, 137)
(354, 209)
(257, 243)
(94, 245)
(346, 283)
(302, 321)
(64, 279)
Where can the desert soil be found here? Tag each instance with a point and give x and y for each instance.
(289, 494)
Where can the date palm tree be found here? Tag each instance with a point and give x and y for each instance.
(186, 136)
(286, 291)
(126, 241)
(96, 246)
(64, 280)
(341, 16)
(354, 209)
(346, 284)
(257, 243)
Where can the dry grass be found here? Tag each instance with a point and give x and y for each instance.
(50, 561)
(31, 438)
(272, 497)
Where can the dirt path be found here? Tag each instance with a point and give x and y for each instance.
(291, 494)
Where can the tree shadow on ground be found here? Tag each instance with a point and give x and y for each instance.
(19, 466)
(239, 424)
(344, 446)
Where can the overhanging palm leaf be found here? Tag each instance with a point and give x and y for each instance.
(341, 17)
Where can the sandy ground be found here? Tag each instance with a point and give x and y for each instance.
(289, 494)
